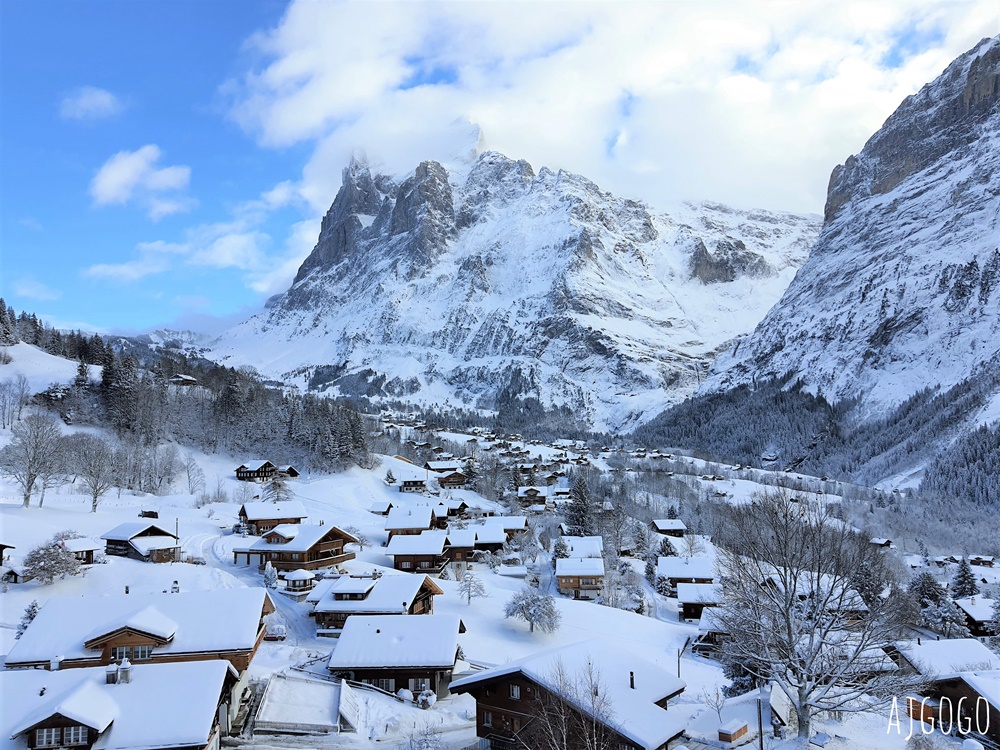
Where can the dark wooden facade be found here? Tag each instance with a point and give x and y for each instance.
(259, 473)
(327, 552)
(432, 564)
(422, 604)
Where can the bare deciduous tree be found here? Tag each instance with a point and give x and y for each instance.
(95, 465)
(572, 713)
(32, 453)
(794, 613)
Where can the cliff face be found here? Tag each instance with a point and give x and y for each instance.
(447, 287)
(900, 291)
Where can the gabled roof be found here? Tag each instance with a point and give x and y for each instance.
(300, 537)
(386, 595)
(580, 566)
(636, 715)
(669, 524)
(700, 593)
(274, 511)
(146, 544)
(462, 537)
(979, 608)
(124, 532)
(385, 641)
(685, 567)
(122, 711)
(424, 543)
(82, 544)
(447, 465)
(255, 465)
(202, 621)
(584, 546)
(947, 658)
(419, 517)
(148, 620)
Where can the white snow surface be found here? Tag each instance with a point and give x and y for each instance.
(390, 641)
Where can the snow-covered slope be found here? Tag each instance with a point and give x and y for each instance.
(901, 290)
(457, 285)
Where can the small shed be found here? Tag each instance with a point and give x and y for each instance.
(300, 580)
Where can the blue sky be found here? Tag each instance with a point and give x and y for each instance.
(167, 163)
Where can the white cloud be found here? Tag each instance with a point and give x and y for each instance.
(31, 288)
(134, 176)
(748, 102)
(89, 103)
(153, 258)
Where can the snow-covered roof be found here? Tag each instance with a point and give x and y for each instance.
(255, 464)
(146, 544)
(523, 491)
(125, 531)
(320, 589)
(387, 595)
(272, 511)
(462, 537)
(449, 465)
(580, 566)
(380, 506)
(489, 533)
(419, 517)
(685, 567)
(979, 608)
(300, 575)
(710, 622)
(300, 537)
(82, 544)
(987, 684)
(508, 523)
(700, 593)
(200, 621)
(584, 546)
(880, 541)
(948, 657)
(633, 711)
(424, 543)
(376, 641)
(669, 524)
(185, 695)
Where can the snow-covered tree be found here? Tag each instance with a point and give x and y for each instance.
(666, 549)
(49, 561)
(471, 587)
(560, 551)
(358, 534)
(277, 489)
(33, 451)
(390, 478)
(30, 612)
(993, 624)
(926, 590)
(793, 613)
(580, 512)
(650, 571)
(964, 583)
(270, 576)
(946, 618)
(535, 608)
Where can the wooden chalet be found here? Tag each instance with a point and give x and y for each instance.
(297, 546)
(96, 631)
(511, 697)
(4, 546)
(978, 615)
(83, 549)
(142, 541)
(445, 466)
(453, 480)
(350, 595)
(685, 570)
(259, 518)
(126, 706)
(413, 484)
(460, 544)
(580, 577)
(391, 653)
(256, 471)
(694, 597)
(182, 380)
(984, 560)
(421, 553)
(674, 527)
(409, 521)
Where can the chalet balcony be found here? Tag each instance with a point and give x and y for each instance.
(322, 561)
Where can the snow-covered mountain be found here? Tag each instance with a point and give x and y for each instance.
(454, 284)
(902, 290)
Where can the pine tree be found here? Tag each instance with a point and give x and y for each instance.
(560, 551)
(270, 576)
(390, 478)
(993, 624)
(946, 618)
(964, 583)
(580, 514)
(666, 549)
(651, 571)
(672, 512)
(30, 612)
(82, 379)
(926, 590)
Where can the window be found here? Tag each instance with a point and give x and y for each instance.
(487, 718)
(386, 684)
(75, 736)
(120, 652)
(515, 692)
(141, 652)
(48, 737)
(296, 556)
(425, 563)
(406, 565)
(587, 581)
